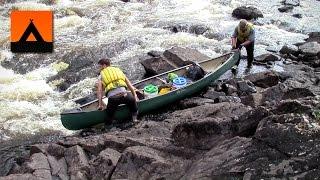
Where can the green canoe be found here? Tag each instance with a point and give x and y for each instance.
(87, 115)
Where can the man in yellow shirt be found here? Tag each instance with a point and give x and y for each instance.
(244, 36)
(114, 84)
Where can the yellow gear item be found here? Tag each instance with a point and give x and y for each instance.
(244, 36)
(112, 78)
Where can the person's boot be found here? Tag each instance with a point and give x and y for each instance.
(135, 118)
(234, 70)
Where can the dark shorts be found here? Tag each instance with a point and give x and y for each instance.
(116, 100)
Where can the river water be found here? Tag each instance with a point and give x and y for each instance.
(29, 105)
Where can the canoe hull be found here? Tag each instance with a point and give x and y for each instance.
(81, 120)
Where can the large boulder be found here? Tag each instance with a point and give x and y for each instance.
(310, 49)
(183, 56)
(140, 162)
(197, 29)
(234, 158)
(247, 12)
(291, 134)
(170, 59)
(195, 127)
(289, 49)
(314, 37)
(102, 166)
(264, 58)
(287, 90)
(77, 160)
(291, 2)
(59, 168)
(156, 65)
(264, 79)
(286, 8)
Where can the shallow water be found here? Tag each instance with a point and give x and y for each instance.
(29, 105)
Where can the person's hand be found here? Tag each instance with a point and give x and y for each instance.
(240, 46)
(136, 98)
(101, 107)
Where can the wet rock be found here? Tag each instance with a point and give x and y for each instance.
(39, 148)
(229, 89)
(232, 99)
(246, 87)
(156, 65)
(194, 102)
(155, 53)
(316, 63)
(102, 166)
(22, 63)
(220, 110)
(197, 29)
(310, 49)
(247, 123)
(231, 158)
(267, 58)
(77, 161)
(83, 61)
(253, 100)
(247, 12)
(56, 150)
(48, 2)
(291, 2)
(286, 8)
(214, 35)
(264, 79)
(289, 49)
(300, 106)
(182, 56)
(291, 134)
(198, 134)
(172, 58)
(288, 90)
(48, 149)
(140, 162)
(299, 16)
(26, 176)
(212, 94)
(59, 168)
(42, 174)
(314, 37)
(38, 161)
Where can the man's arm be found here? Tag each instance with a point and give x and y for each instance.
(132, 89)
(234, 38)
(100, 94)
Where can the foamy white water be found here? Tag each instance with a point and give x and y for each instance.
(28, 104)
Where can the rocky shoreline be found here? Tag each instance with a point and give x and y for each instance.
(263, 125)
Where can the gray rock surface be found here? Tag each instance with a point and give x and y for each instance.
(310, 48)
(264, 58)
(178, 55)
(292, 2)
(289, 49)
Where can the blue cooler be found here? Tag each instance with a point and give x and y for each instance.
(179, 82)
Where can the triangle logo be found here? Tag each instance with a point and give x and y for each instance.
(31, 31)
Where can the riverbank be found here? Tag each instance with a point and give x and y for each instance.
(259, 125)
